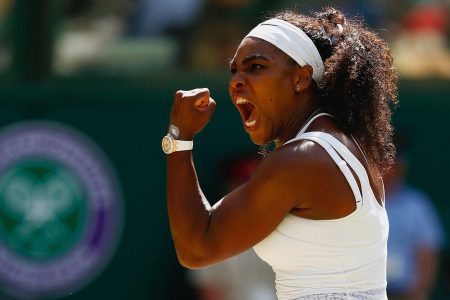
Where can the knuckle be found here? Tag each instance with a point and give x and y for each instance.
(204, 91)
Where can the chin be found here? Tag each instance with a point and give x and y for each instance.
(259, 140)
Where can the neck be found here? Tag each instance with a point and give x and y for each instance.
(300, 118)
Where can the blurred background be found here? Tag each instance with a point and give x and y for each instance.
(85, 91)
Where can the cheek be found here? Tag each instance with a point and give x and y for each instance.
(274, 94)
(276, 102)
(277, 87)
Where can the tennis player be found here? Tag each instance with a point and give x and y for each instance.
(321, 87)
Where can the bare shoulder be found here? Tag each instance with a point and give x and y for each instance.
(295, 156)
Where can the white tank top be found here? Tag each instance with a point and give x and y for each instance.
(331, 259)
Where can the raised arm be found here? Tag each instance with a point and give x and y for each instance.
(204, 235)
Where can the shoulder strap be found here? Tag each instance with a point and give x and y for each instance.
(341, 149)
(310, 121)
(342, 164)
(349, 157)
(383, 195)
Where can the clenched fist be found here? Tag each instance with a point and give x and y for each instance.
(191, 111)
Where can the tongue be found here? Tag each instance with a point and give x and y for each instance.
(251, 121)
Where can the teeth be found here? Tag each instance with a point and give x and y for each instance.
(250, 123)
(241, 100)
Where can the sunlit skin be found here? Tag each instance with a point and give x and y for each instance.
(299, 178)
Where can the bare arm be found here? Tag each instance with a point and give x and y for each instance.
(203, 235)
(188, 210)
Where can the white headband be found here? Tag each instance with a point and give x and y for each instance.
(291, 40)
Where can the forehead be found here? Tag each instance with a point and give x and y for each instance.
(254, 46)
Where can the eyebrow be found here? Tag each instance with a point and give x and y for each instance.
(249, 58)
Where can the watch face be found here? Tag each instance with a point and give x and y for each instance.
(167, 144)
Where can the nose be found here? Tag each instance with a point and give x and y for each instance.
(237, 81)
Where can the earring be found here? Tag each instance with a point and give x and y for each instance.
(297, 88)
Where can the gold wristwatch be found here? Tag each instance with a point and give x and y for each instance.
(170, 142)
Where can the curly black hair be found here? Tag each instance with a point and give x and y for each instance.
(359, 86)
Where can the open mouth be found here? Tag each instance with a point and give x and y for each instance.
(248, 111)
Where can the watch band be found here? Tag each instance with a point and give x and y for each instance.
(183, 145)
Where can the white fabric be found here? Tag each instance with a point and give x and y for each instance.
(291, 40)
(324, 258)
(310, 120)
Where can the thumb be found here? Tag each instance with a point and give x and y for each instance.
(202, 102)
(205, 103)
(208, 109)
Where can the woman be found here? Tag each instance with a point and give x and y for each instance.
(320, 87)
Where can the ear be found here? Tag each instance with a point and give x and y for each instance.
(302, 77)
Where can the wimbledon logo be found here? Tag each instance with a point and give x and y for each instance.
(60, 210)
